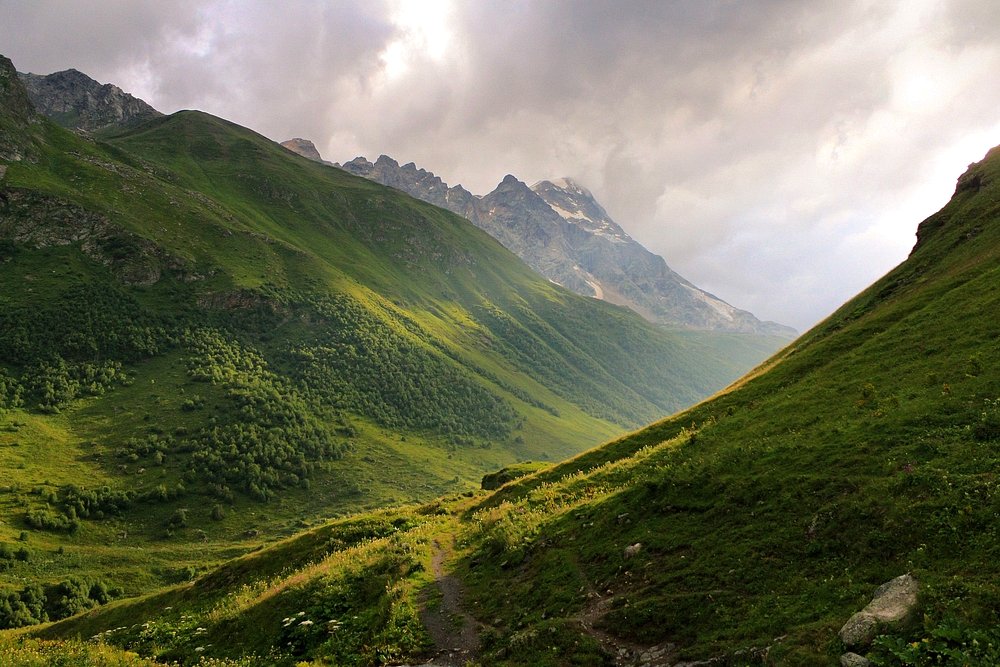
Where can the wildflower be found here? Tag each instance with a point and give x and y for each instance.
(306, 622)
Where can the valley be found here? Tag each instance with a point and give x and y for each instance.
(748, 528)
(209, 344)
(257, 410)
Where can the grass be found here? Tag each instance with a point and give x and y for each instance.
(759, 520)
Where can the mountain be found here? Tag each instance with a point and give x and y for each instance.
(305, 148)
(74, 100)
(561, 231)
(624, 272)
(17, 117)
(207, 341)
(746, 530)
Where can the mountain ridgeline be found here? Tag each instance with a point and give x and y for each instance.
(72, 99)
(561, 231)
(206, 341)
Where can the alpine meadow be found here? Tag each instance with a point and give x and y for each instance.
(256, 409)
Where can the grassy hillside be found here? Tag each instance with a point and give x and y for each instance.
(764, 517)
(207, 341)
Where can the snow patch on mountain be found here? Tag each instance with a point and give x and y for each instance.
(571, 216)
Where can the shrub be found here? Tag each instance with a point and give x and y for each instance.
(949, 642)
(178, 519)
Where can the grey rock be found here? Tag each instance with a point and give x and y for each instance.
(657, 656)
(893, 605)
(74, 100)
(17, 113)
(560, 230)
(40, 221)
(859, 630)
(854, 660)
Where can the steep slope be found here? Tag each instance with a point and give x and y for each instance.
(622, 271)
(562, 232)
(767, 516)
(17, 117)
(195, 322)
(746, 530)
(74, 100)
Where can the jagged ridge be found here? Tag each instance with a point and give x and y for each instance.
(74, 100)
(561, 231)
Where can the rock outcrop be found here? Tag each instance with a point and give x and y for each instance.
(75, 101)
(17, 115)
(854, 660)
(305, 148)
(559, 229)
(892, 606)
(39, 221)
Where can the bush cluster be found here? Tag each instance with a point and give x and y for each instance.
(269, 435)
(357, 363)
(37, 604)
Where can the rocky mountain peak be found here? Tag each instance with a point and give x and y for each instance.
(565, 183)
(76, 101)
(14, 101)
(357, 165)
(559, 229)
(512, 187)
(303, 147)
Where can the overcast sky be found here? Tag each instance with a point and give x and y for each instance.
(779, 154)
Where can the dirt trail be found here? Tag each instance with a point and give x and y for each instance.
(454, 631)
(622, 651)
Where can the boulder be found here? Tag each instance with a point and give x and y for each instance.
(892, 606)
(854, 660)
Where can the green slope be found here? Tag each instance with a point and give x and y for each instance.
(766, 516)
(206, 341)
(865, 450)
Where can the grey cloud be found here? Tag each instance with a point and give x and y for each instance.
(49, 35)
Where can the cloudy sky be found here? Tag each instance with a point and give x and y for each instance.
(777, 153)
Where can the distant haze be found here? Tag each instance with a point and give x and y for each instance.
(778, 154)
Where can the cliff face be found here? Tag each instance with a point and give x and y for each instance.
(559, 229)
(74, 100)
(16, 116)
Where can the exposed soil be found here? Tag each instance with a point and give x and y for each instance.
(454, 631)
(622, 651)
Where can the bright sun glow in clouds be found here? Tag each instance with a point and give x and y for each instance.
(423, 32)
